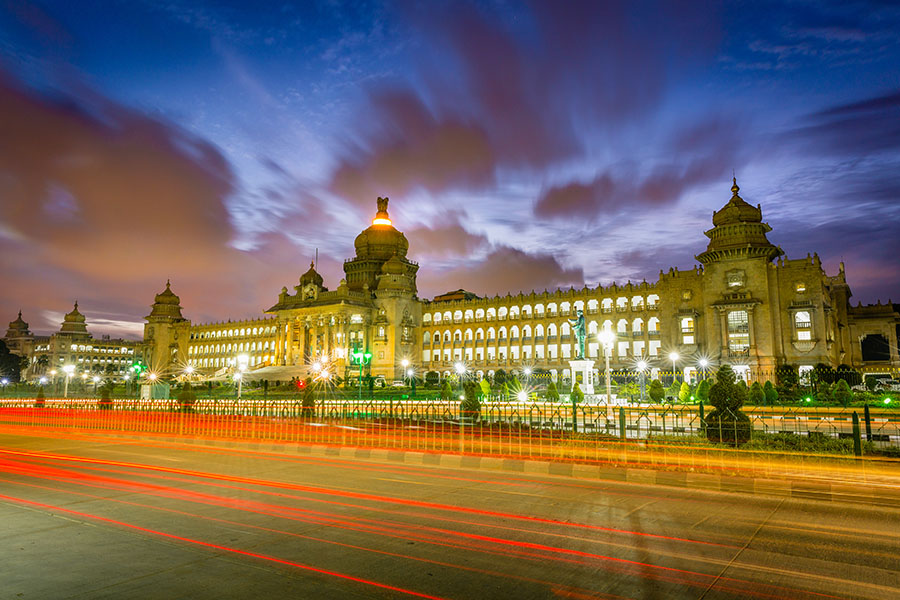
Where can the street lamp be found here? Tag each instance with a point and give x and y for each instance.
(703, 366)
(242, 361)
(606, 338)
(642, 368)
(96, 380)
(460, 371)
(673, 356)
(362, 358)
(69, 370)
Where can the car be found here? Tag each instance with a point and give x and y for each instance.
(398, 383)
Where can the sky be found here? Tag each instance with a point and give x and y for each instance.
(524, 145)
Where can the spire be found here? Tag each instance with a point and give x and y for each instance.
(735, 188)
(168, 283)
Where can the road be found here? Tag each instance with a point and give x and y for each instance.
(105, 517)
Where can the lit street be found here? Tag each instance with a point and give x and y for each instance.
(115, 518)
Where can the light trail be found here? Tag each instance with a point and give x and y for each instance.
(516, 548)
(273, 559)
(356, 496)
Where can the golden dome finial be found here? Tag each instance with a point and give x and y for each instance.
(735, 188)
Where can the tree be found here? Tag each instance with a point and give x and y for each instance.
(10, 364)
(499, 378)
(577, 396)
(504, 391)
(684, 393)
(515, 386)
(187, 397)
(757, 395)
(656, 391)
(841, 392)
(727, 423)
(446, 391)
(824, 373)
(673, 390)
(105, 401)
(552, 392)
(485, 388)
(42, 362)
(871, 383)
(470, 405)
(703, 391)
(39, 398)
(432, 379)
(631, 389)
(771, 393)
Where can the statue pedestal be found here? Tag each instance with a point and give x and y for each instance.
(586, 368)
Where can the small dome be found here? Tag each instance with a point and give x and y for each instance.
(166, 305)
(737, 210)
(394, 266)
(18, 324)
(311, 276)
(74, 322)
(167, 296)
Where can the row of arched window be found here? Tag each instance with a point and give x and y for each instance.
(551, 309)
(241, 332)
(232, 347)
(622, 326)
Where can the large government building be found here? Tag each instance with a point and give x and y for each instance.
(744, 304)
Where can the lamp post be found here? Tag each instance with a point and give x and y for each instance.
(68, 370)
(703, 366)
(405, 364)
(96, 380)
(460, 371)
(53, 381)
(673, 356)
(642, 368)
(242, 361)
(362, 358)
(606, 340)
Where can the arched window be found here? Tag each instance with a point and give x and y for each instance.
(622, 326)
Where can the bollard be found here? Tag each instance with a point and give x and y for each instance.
(574, 418)
(622, 422)
(868, 423)
(857, 442)
(702, 420)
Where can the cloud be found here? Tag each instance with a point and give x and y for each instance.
(503, 270)
(497, 94)
(706, 152)
(411, 148)
(448, 239)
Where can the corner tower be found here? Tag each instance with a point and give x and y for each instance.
(166, 333)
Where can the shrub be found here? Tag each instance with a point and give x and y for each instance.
(105, 402)
(499, 377)
(703, 391)
(470, 405)
(771, 393)
(186, 397)
(684, 393)
(485, 388)
(841, 393)
(446, 391)
(432, 379)
(39, 398)
(552, 392)
(757, 397)
(577, 396)
(727, 423)
(656, 391)
(308, 398)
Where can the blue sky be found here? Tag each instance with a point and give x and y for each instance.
(524, 145)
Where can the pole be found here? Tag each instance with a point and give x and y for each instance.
(857, 442)
(868, 420)
(359, 397)
(622, 422)
(609, 414)
(66, 392)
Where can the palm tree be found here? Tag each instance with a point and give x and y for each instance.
(42, 362)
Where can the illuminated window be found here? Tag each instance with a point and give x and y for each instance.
(738, 331)
(800, 287)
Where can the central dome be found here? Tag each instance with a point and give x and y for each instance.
(381, 241)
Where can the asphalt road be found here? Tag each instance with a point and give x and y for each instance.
(85, 517)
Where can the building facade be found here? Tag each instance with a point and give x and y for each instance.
(744, 304)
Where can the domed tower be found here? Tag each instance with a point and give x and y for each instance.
(74, 325)
(18, 338)
(166, 332)
(374, 247)
(738, 233)
(311, 283)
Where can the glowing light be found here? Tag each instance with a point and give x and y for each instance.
(461, 397)
(43, 380)
(316, 367)
(237, 376)
(460, 368)
(189, 370)
(673, 356)
(522, 396)
(96, 378)
(887, 400)
(704, 363)
(53, 372)
(527, 371)
(4, 381)
(152, 376)
(606, 338)
(381, 221)
(243, 360)
(642, 365)
(808, 399)
(405, 363)
(409, 372)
